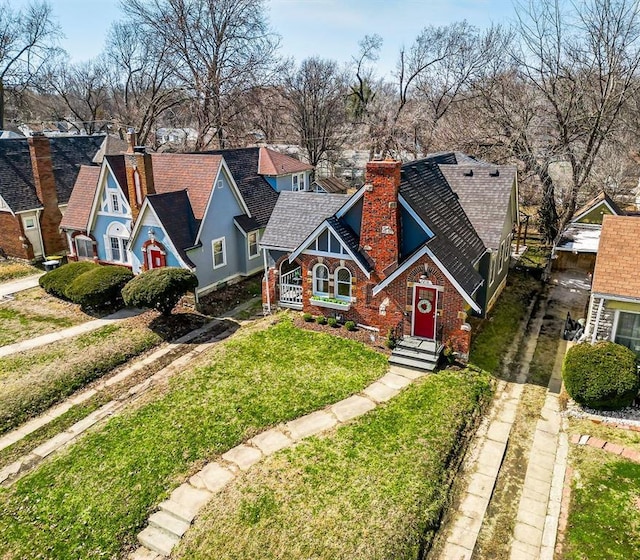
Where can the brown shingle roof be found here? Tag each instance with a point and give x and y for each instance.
(275, 163)
(77, 214)
(616, 271)
(192, 172)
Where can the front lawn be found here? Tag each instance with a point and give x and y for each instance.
(33, 313)
(92, 499)
(14, 270)
(372, 489)
(604, 518)
(32, 381)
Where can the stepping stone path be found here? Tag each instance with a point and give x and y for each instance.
(176, 514)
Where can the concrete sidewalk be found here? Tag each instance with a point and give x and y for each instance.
(89, 326)
(19, 285)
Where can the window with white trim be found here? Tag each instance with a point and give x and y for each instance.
(115, 203)
(29, 223)
(218, 248)
(343, 284)
(297, 182)
(627, 330)
(320, 280)
(252, 241)
(84, 247)
(492, 267)
(116, 243)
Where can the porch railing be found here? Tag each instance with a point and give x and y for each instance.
(291, 288)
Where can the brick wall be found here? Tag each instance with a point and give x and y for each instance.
(14, 242)
(50, 217)
(379, 234)
(139, 170)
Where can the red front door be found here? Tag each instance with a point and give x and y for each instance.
(156, 258)
(425, 303)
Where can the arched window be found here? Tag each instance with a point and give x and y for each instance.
(320, 280)
(116, 243)
(343, 284)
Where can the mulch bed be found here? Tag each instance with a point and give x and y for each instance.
(361, 335)
(225, 299)
(179, 323)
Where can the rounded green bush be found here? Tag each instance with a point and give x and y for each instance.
(321, 320)
(350, 325)
(57, 281)
(333, 322)
(307, 317)
(100, 287)
(160, 288)
(602, 376)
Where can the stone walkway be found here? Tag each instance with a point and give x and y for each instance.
(76, 330)
(175, 515)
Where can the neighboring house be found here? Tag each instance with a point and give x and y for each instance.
(37, 175)
(331, 185)
(201, 211)
(401, 255)
(578, 245)
(614, 305)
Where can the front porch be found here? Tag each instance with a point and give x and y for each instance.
(416, 353)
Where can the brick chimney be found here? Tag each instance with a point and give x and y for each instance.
(379, 232)
(139, 174)
(45, 184)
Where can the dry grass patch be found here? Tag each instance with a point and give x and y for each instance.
(33, 313)
(13, 270)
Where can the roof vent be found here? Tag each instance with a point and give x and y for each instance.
(468, 172)
(495, 173)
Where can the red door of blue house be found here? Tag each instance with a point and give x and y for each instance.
(425, 304)
(155, 258)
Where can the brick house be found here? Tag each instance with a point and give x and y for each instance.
(37, 175)
(401, 256)
(614, 304)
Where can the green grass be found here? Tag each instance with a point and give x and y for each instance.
(32, 381)
(604, 519)
(11, 270)
(373, 489)
(90, 501)
(490, 342)
(14, 323)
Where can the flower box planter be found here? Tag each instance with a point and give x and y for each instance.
(339, 306)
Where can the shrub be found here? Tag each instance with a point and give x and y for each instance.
(160, 288)
(321, 320)
(307, 317)
(390, 341)
(350, 326)
(602, 376)
(100, 287)
(333, 322)
(58, 281)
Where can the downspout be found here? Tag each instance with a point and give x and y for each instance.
(266, 280)
(597, 322)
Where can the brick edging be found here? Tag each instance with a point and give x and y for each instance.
(613, 448)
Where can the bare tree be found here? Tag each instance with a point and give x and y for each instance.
(141, 78)
(26, 39)
(82, 94)
(220, 50)
(563, 97)
(316, 92)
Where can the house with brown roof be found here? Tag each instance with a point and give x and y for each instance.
(614, 305)
(201, 211)
(420, 247)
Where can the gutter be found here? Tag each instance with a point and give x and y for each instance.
(597, 322)
(266, 279)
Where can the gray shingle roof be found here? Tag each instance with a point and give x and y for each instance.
(246, 223)
(484, 196)
(455, 243)
(296, 215)
(350, 239)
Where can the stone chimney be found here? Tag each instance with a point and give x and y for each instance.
(139, 174)
(379, 232)
(45, 184)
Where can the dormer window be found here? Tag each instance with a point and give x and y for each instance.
(297, 182)
(115, 203)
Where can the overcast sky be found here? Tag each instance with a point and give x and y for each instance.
(327, 28)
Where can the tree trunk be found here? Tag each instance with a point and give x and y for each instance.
(1, 105)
